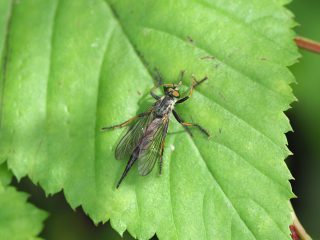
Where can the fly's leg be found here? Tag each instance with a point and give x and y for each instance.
(126, 122)
(158, 77)
(164, 134)
(204, 131)
(153, 94)
(195, 83)
(186, 125)
(162, 85)
(179, 119)
(161, 155)
(181, 77)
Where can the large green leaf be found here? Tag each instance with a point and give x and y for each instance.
(72, 67)
(18, 219)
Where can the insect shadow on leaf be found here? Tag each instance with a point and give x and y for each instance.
(145, 139)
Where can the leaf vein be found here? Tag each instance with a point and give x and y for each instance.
(170, 192)
(202, 213)
(224, 62)
(96, 132)
(5, 56)
(215, 180)
(138, 210)
(260, 132)
(55, 14)
(127, 37)
(267, 212)
(244, 24)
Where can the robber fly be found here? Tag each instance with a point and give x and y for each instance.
(145, 139)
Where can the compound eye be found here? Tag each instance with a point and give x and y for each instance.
(175, 93)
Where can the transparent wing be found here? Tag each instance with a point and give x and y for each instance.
(149, 156)
(131, 139)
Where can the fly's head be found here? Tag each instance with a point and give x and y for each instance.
(173, 90)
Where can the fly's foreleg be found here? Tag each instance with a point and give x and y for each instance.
(158, 77)
(180, 77)
(125, 123)
(195, 83)
(186, 125)
(155, 96)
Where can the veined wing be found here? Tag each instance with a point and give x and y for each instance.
(131, 139)
(152, 145)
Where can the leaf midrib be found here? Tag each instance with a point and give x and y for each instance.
(4, 57)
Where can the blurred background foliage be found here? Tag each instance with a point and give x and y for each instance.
(304, 142)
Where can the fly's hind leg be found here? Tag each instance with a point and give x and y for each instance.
(179, 119)
(164, 134)
(126, 122)
(186, 125)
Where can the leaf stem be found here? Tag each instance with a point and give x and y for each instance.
(308, 44)
(297, 228)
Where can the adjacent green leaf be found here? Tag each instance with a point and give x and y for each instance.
(86, 64)
(18, 219)
(5, 176)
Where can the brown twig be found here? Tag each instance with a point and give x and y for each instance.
(308, 44)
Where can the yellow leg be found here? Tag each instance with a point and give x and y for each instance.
(126, 122)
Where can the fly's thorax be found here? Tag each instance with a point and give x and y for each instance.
(164, 106)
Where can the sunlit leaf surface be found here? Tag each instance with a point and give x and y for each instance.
(72, 67)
